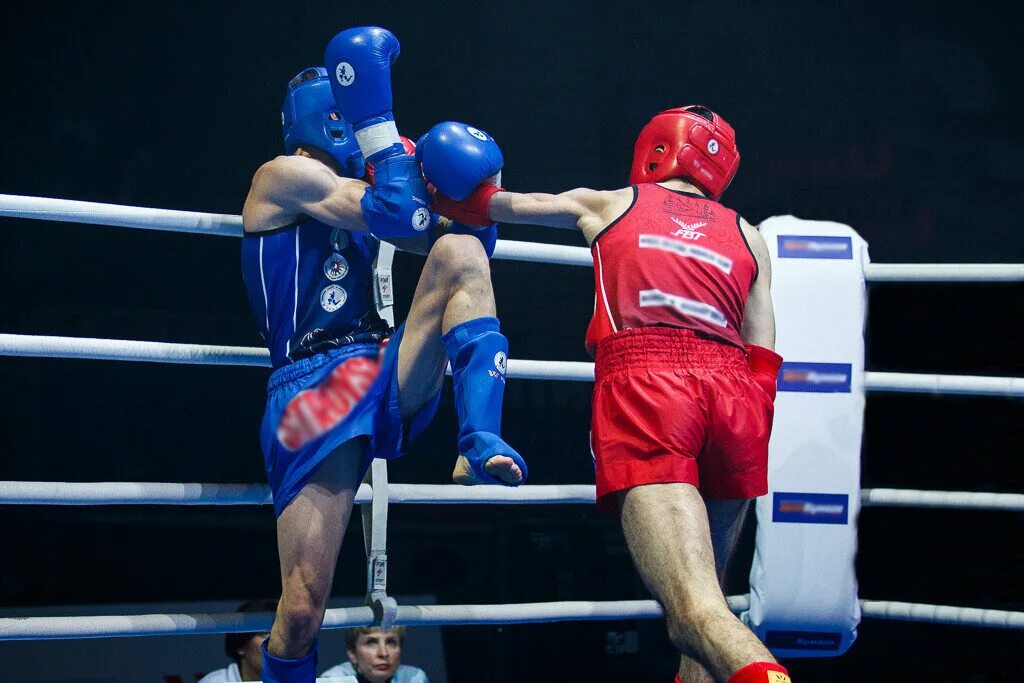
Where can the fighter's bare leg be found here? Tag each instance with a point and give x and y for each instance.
(454, 287)
(309, 534)
(668, 534)
(725, 519)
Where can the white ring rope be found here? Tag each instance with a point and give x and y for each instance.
(64, 627)
(88, 348)
(204, 354)
(945, 272)
(68, 627)
(66, 210)
(919, 383)
(950, 500)
(134, 493)
(196, 494)
(538, 612)
(148, 493)
(454, 494)
(941, 614)
(536, 252)
(117, 215)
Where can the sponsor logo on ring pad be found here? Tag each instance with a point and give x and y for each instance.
(823, 378)
(823, 247)
(810, 508)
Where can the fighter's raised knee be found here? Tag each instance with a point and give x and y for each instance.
(459, 252)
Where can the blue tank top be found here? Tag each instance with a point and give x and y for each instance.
(310, 289)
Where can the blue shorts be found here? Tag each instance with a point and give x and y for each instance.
(318, 403)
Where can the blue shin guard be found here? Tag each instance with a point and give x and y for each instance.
(277, 670)
(478, 352)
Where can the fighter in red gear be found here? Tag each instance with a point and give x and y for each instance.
(682, 333)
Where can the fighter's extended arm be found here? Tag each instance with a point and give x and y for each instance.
(758, 329)
(581, 208)
(463, 165)
(288, 187)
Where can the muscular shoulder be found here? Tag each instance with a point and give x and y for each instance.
(604, 206)
(286, 173)
(274, 187)
(263, 208)
(289, 186)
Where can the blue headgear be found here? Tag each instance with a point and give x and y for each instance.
(311, 118)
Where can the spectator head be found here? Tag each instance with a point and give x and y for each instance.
(375, 654)
(244, 648)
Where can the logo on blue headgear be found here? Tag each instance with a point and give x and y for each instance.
(310, 118)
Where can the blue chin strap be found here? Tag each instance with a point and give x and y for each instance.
(310, 118)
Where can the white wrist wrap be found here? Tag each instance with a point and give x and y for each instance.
(373, 139)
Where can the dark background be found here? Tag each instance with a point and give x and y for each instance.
(902, 120)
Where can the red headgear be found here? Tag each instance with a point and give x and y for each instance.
(690, 142)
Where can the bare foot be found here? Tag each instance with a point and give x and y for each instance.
(501, 467)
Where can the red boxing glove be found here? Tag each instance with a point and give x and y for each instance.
(410, 149)
(473, 209)
(764, 367)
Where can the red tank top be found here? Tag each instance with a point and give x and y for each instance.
(673, 259)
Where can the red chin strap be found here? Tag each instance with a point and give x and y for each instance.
(684, 143)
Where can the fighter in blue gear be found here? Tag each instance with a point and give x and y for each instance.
(346, 387)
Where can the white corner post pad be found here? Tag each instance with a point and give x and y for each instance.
(373, 139)
(803, 589)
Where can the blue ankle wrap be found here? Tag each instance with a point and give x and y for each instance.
(479, 447)
(277, 670)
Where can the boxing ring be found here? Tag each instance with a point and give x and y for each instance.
(374, 498)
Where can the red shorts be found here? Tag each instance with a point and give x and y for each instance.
(673, 407)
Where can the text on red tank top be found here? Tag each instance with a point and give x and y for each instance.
(672, 259)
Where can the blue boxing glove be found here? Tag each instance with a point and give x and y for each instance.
(358, 60)
(397, 205)
(388, 202)
(456, 158)
(359, 63)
